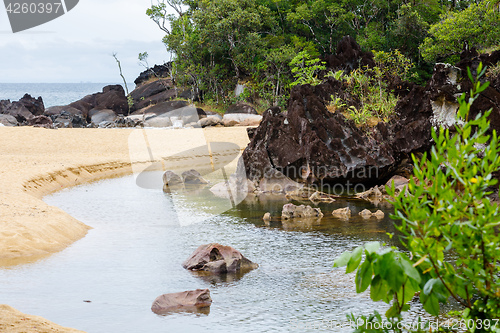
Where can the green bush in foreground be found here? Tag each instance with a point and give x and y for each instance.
(449, 227)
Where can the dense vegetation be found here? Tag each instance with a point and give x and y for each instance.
(264, 43)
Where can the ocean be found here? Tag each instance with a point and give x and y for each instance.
(52, 93)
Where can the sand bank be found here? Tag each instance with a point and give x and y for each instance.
(13, 321)
(36, 161)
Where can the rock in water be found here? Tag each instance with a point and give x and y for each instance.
(290, 211)
(342, 213)
(187, 300)
(193, 177)
(218, 259)
(366, 214)
(170, 178)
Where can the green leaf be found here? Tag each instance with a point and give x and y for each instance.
(355, 259)
(379, 289)
(372, 247)
(343, 259)
(364, 277)
(410, 270)
(430, 304)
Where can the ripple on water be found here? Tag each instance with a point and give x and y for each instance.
(135, 251)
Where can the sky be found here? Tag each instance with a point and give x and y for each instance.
(78, 46)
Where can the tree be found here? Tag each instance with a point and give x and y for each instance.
(477, 26)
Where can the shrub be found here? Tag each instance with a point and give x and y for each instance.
(449, 226)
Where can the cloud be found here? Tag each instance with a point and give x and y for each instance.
(79, 45)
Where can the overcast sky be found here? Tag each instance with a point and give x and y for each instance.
(78, 46)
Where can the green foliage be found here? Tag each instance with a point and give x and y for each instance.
(305, 69)
(395, 63)
(449, 226)
(367, 87)
(477, 26)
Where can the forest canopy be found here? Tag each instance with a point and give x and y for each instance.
(219, 43)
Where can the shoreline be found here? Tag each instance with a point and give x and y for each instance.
(35, 162)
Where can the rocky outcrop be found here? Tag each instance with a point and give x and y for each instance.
(310, 144)
(189, 301)
(152, 93)
(112, 97)
(218, 259)
(34, 106)
(26, 108)
(158, 71)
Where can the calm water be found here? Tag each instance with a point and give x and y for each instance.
(135, 251)
(52, 93)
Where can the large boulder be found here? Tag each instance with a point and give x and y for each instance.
(33, 105)
(56, 110)
(163, 107)
(309, 143)
(98, 116)
(218, 259)
(185, 301)
(112, 97)
(152, 93)
(8, 120)
(19, 111)
(241, 108)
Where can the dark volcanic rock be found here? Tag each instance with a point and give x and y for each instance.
(112, 97)
(19, 111)
(312, 144)
(153, 93)
(218, 259)
(156, 71)
(40, 121)
(349, 56)
(35, 106)
(162, 108)
(241, 108)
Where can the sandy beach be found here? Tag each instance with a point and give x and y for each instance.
(35, 162)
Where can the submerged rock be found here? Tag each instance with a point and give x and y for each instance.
(366, 214)
(342, 213)
(218, 259)
(193, 177)
(170, 178)
(291, 211)
(186, 300)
